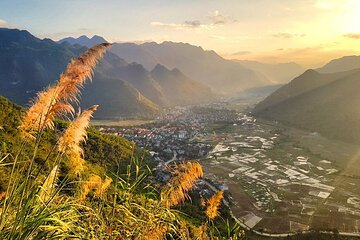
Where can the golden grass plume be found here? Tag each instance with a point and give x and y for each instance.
(213, 205)
(185, 176)
(69, 142)
(56, 100)
(96, 184)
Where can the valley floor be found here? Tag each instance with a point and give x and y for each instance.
(281, 180)
(285, 180)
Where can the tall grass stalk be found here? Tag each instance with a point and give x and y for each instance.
(33, 207)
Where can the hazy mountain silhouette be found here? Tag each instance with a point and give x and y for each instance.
(179, 89)
(163, 87)
(276, 73)
(325, 103)
(223, 76)
(341, 64)
(84, 40)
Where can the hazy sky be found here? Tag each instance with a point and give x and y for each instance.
(309, 32)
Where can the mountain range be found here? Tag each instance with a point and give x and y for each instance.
(222, 76)
(84, 40)
(29, 64)
(341, 64)
(327, 103)
(226, 77)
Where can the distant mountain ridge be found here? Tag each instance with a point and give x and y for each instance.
(84, 40)
(277, 73)
(180, 89)
(223, 76)
(341, 64)
(164, 88)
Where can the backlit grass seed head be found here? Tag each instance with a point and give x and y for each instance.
(185, 177)
(39, 115)
(96, 184)
(69, 142)
(212, 211)
(76, 132)
(76, 163)
(78, 70)
(55, 100)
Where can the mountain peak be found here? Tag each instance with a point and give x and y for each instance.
(159, 68)
(310, 72)
(84, 40)
(8, 35)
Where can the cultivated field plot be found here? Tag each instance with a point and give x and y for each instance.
(279, 184)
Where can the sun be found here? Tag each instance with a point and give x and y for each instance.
(350, 17)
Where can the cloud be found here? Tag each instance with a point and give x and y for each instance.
(352, 36)
(6, 24)
(217, 18)
(240, 53)
(286, 35)
(180, 26)
(3, 23)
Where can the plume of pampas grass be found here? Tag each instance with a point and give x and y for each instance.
(185, 176)
(213, 205)
(95, 183)
(69, 142)
(56, 100)
(49, 184)
(78, 70)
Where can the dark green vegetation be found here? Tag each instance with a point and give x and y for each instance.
(104, 151)
(325, 103)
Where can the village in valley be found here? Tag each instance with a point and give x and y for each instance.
(273, 184)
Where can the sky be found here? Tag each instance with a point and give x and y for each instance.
(309, 32)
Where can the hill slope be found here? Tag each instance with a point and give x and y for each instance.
(325, 103)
